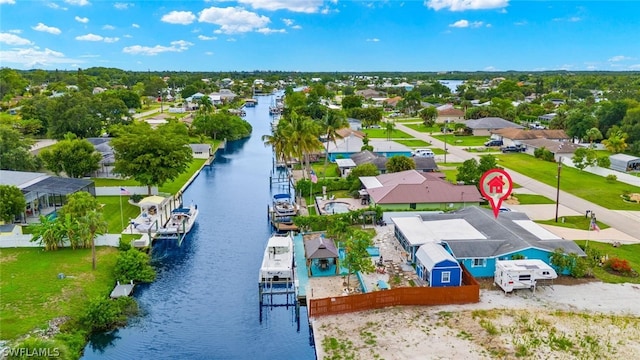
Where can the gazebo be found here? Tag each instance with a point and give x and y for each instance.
(322, 256)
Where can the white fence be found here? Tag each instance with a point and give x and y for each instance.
(14, 241)
(115, 190)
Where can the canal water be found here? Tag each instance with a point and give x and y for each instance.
(204, 303)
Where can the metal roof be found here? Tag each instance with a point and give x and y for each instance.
(432, 254)
(59, 185)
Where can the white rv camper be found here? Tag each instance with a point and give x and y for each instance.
(522, 274)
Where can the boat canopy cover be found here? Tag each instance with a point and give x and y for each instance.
(181, 211)
(281, 196)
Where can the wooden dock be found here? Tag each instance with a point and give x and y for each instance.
(122, 290)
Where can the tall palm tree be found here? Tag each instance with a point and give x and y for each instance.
(332, 122)
(389, 127)
(302, 137)
(278, 141)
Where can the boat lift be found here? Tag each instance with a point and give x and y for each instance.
(279, 293)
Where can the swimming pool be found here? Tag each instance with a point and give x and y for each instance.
(336, 207)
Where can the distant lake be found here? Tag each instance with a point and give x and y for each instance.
(452, 84)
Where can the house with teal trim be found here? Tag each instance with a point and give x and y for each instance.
(415, 190)
(477, 239)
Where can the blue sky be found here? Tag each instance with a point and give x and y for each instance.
(316, 35)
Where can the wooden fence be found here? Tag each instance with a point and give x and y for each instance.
(469, 292)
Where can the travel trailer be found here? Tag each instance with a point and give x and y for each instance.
(522, 274)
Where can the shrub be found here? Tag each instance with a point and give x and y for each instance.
(618, 265)
(133, 265)
(136, 198)
(124, 245)
(105, 314)
(611, 178)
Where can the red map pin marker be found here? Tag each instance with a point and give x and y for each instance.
(495, 186)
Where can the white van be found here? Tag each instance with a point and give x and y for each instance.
(428, 153)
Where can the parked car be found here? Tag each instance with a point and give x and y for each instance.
(512, 148)
(493, 142)
(428, 153)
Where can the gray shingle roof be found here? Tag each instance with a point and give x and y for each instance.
(502, 235)
(491, 123)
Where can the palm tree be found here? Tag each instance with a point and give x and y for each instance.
(332, 123)
(592, 135)
(278, 141)
(302, 137)
(92, 224)
(617, 142)
(389, 127)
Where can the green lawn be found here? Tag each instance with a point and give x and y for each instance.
(631, 253)
(32, 294)
(450, 175)
(111, 211)
(423, 128)
(532, 199)
(573, 222)
(414, 143)
(174, 186)
(462, 140)
(332, 169)
(407, 120)
(382, 133)
(585, 185)
(170, 187)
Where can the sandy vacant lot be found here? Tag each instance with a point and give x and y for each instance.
(587, 321)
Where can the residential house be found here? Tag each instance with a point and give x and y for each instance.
(414, 190)
(450, 115)
(363, 157)
(556, 141)
(484, 126)
(392, 103)
(369, 93)
(477, 239)
(351, 143)
(107, 163)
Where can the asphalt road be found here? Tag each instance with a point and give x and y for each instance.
(627, 222)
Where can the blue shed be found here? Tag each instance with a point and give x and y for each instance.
(437, 267)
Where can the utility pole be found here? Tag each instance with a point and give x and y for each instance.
(161, 93)
(558, 187)
(446, 127)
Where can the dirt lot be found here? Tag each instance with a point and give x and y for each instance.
(591, 320)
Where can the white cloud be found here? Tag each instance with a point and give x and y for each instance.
(179, 17)
(574, 19)
(11, 39)
(135, 26)
(94, 37)
(296, 27)
(208, 53)
(373, 40)
(233, 20)
(634, 67)
(202, 37)
(490, 68)
(465, 24)
(10, 2)
(520, 23)
(127, 36)
(34, 57)
(83, 20)
(122, 6)
(15, 31)
(287, 22)
(44, 28)
(176, 46)
(77, 2)
(268, 31)
(619, 58)
(462, 5)
(108, 27)
(303, 6)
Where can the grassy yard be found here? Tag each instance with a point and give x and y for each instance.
(532, 199)
(585, 185)
(414, 143)
(573, 222)
(332, 169)
(174, 186)
(631, 253)
(423, 128)
(382, 133)
(170, 187)
(32, 294)
(462, 140)
(111, 211)
(407, 120)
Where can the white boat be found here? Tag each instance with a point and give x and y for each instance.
(277, 263)
(283, 206)
(181, 220)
